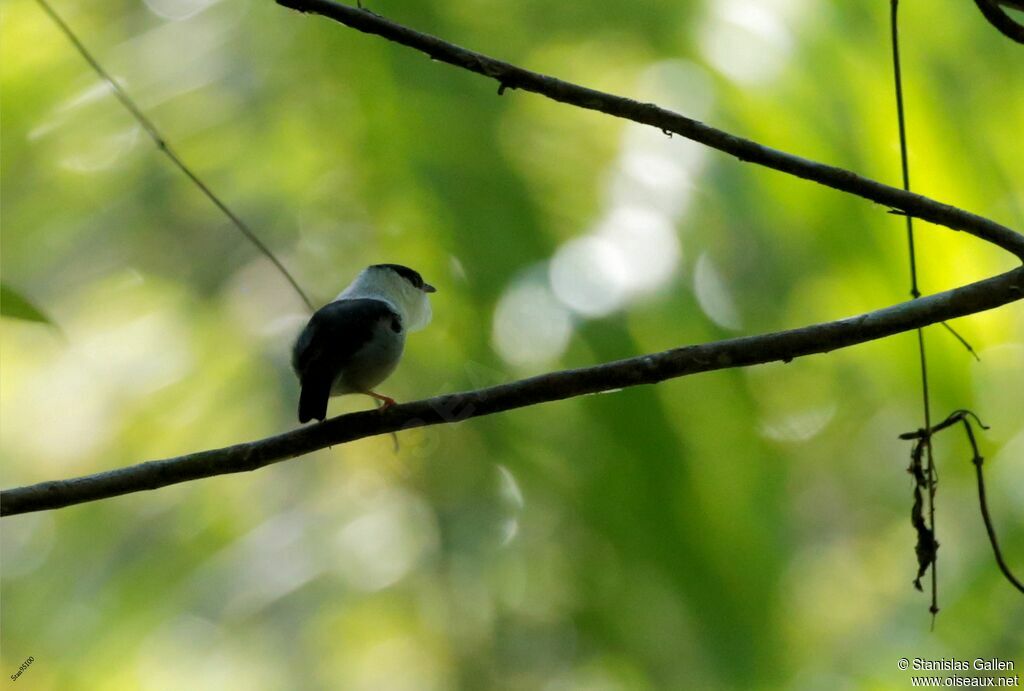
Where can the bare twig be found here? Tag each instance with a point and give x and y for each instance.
(978, 461)
(512, 77)
(555, 386)
(927, 544)
(963, 341)
(902, 126)
(954, 417)
(163, 146)
(998, 17)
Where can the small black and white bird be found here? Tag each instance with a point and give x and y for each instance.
(355, 342)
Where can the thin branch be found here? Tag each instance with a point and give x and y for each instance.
(931, 558)
(509, 76)
(164, 147)
(555, 386)
(902, 126)
(963, 341)
(1002, 21)
(978, 461)
(954, 417)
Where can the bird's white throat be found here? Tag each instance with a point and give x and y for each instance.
(377, 283)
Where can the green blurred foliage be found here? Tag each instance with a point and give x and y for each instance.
(16, 306)
(740, 529)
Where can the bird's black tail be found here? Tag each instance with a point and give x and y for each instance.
(313, 400)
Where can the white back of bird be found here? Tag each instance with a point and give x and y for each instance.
(379, 283)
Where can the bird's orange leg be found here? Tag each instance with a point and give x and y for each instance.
(386, 401)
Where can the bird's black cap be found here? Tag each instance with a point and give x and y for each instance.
(408, 274)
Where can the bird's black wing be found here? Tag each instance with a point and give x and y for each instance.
(333, 335)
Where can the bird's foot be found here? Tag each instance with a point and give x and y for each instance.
(385, 402)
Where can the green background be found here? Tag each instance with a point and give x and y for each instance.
(739, 529)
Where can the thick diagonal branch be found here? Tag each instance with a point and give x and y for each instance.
(509, 76)
(646, 369)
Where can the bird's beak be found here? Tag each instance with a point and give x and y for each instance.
(427, 288)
